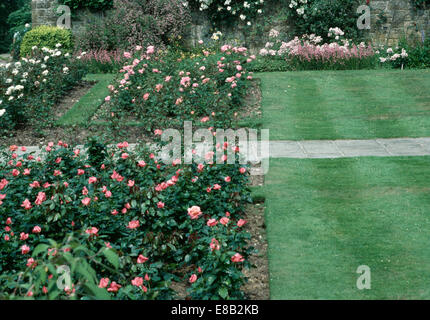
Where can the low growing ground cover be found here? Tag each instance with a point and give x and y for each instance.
(126, 225)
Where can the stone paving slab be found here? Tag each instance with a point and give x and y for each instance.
(331, 149)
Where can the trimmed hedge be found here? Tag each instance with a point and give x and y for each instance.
(47, 36)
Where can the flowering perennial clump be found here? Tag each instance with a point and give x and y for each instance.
(310, 51)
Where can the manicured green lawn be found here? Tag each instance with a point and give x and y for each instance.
(85, 108)
(327, 217)
(346, 104)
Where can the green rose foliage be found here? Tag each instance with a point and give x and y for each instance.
(164, 89)
(124, 225)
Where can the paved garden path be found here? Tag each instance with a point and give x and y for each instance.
(323, 149)
(330, 149)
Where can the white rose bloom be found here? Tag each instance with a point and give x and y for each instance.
(2, 112)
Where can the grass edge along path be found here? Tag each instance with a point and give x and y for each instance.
(84, 109)
(327, 217)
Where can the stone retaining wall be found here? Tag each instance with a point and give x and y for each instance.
(390, 21)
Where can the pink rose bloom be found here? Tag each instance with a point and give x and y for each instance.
(227, 179)
(158, 87)
(158, 132)
(108, 194)
(86, 201)
(127, 55)
(237, 258)
(37, 229)
(142, 259)
(41, 197)
(92, 231)
(138, 281)
(224, 220)
(214, 244)
(146, 96)
(193, 278)
(25, 249)
(92, 180)
(26, 204)
(150, 50)
(212, 222)
(194, 212)
(114, 287)
(31, 263)
(103, 282)
(242, 170)
(107, 99)
(133, 224)
(241, 223)
(160, 205)
(141, 164)
(125, 156)
(23, 236)
(130, 183)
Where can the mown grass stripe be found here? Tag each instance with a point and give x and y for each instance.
(327, 217)
(346, 104)
(84, 109)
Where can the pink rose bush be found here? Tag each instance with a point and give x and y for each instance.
(164, 89)
(127, 227)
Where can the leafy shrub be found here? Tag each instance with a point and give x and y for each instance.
(421, 4)
(19, 22)
(98, 5)
(136, 22)
(121, 219)
(164, 90)
(318, 16)
(419, 54)
(230, 11)
(20, 11)
(30, 87)
(46, 36)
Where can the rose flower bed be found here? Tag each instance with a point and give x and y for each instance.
(30, 87)
(114, 223)
(163, 90)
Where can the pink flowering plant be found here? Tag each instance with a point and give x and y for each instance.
(311, 52)
(125, 224)
(162, 89)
